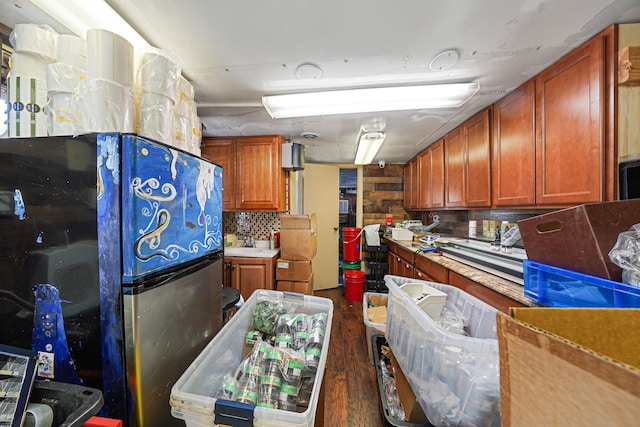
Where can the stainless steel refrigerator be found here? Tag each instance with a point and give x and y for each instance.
(110, 264)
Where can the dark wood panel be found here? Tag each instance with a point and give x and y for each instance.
(514, 142)
(483, 293)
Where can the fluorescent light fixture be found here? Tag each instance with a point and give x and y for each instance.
(369, 100)
(368, 145)
(82, 15)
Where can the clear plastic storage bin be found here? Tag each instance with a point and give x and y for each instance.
(456, 377)
(372, 328)
(192, 395)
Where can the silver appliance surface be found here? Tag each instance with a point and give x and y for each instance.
(166, 327)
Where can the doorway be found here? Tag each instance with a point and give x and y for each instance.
(348, 193)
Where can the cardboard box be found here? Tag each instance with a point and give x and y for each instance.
(298, 244)
(412, 410)
(569, 366)
(581, 237)
(302, 287)
(303, 222)
(293, 270)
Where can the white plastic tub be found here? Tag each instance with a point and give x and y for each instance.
(192, 395)
(429, 299)
(455, 378)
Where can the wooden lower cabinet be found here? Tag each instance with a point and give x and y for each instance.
(249, 274)
(483, 293)
(436, 272)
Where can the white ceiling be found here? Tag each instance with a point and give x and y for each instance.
(236, 51)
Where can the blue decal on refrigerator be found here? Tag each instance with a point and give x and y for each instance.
(49, 338)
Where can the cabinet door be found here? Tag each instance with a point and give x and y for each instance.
(222, 152)
(411, 185)
(424, 174)
(514, 141)
(478, 160)
(249, 274)
(454, 159)
(570, 149)
(436, 178)
(260, 178)
(483, 293)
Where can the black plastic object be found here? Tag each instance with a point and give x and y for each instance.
(72, 404)
(230, 297)
(232, 413)
(378, 341)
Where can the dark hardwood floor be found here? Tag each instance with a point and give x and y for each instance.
(351, 389)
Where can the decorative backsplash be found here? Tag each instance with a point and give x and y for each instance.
(255, 224)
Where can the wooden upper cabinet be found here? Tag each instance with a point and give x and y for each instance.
(570, 137)
(431, 176)
(477, 131)
(411, 187)
(252, 174)
(223, 153)
(514, 142)
(454, 159)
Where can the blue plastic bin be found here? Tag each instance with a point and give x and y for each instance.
(557, 287)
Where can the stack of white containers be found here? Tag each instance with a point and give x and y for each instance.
(34, 48)
(63, 78)
(104, 100)
(156, 94)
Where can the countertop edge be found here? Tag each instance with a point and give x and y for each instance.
(502, 286)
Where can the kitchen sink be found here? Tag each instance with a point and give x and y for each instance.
(248, 252)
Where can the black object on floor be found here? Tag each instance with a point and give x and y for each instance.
(72, 404)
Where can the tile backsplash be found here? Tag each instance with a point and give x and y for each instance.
(255, 224)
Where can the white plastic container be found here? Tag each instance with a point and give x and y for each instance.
(456, 378)
(401, 234)
(192, 395)
(372, 328)
(429, 299)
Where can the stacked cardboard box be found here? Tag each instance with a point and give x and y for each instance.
(298, 246)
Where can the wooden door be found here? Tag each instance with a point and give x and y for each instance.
(570, 143)
(321, 189)
(478, 160)
(436, 178)
(411, 184)
(514, 142)
(222, 152)
(424, 176)
(259, 175)
(454, 159)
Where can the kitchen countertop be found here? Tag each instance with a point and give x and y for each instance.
(505, 287)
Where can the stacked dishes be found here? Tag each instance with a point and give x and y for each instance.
(63, 78)
(104, 100)
(34, 48)
(156, 81)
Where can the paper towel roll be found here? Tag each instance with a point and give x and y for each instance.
(28, 65)
(103, 106)
(73, 59)
(182, 132)
(158, 72)
(61, 113)
(155, 117)
(63, 77)
(109, 57)
(36, 39)
(71, 45)
(26, 98)
(184, 88)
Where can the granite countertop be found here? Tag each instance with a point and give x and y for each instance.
(505, 287)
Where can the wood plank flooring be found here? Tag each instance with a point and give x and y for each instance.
(351, 390)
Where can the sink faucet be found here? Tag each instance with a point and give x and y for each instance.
(249, 242)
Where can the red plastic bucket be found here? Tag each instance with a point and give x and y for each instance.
(354, 284)
(351, 243)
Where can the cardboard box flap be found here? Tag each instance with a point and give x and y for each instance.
(304, 222)
(611, 332)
